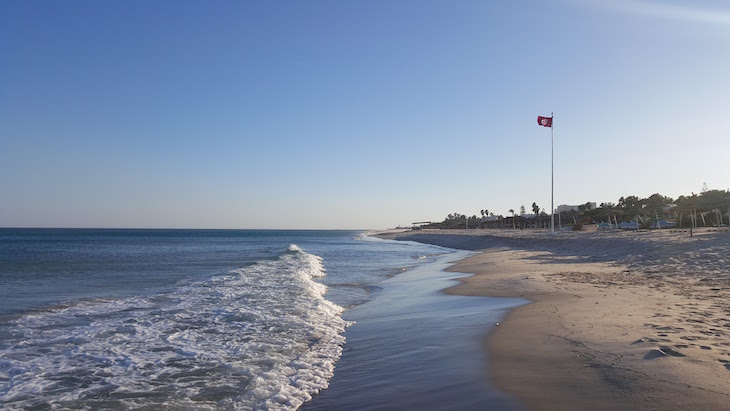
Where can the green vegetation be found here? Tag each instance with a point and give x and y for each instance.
(456, 220)
(709, 208)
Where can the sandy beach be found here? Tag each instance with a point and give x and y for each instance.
(619, 320)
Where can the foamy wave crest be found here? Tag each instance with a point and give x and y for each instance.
(260, 337)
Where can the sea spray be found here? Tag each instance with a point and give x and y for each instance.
(258, 337)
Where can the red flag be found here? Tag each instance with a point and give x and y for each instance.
(545, 121)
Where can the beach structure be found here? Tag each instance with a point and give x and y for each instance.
(565, 208)
(628, 225)
(419, 224)
(489, 218)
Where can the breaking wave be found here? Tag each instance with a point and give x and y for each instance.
(259, 337)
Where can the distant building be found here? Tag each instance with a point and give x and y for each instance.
(564, 208)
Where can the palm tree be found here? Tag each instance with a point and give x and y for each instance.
(513, 217)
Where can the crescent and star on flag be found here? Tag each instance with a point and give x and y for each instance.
(545, 121)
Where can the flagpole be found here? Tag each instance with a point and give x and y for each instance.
(552, 177)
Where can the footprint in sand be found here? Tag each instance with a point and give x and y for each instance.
(654, 354)
(643, 340)
(662, 352)
(671, 352)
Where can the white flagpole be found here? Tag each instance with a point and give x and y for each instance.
(552, 177)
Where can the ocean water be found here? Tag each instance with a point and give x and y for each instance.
(182, 319)
(416, 348)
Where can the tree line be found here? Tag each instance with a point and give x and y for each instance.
(626, 209)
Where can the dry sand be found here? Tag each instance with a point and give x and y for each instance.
(619, 320)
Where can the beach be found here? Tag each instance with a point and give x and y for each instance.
(618, 320)
(233, 319)
(414, 347)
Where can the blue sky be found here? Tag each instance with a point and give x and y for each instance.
(357, 114)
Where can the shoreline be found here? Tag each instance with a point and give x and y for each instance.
(617, 320)
(414, 347)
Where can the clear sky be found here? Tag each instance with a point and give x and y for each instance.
(352, 114)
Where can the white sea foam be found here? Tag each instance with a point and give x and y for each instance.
(260, 337)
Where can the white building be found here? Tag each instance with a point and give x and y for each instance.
(564, 208)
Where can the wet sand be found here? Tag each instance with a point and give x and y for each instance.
(414, 347)
(619, 320)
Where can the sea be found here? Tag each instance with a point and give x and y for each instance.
(121, 319)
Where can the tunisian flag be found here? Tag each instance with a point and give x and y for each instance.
(545, 121)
